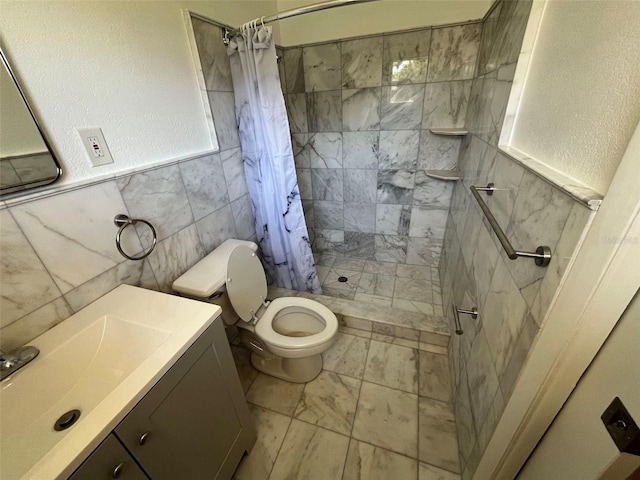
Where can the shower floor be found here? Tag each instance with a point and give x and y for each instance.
(378, 410)
(411, 288)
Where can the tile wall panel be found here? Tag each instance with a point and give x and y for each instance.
(372, 100)
(512, 296)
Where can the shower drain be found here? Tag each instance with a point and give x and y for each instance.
(343, 279)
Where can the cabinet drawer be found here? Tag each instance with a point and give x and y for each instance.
(110, 460)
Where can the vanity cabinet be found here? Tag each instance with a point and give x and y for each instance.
(194, 423)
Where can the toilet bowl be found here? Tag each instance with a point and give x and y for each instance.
(287, 335)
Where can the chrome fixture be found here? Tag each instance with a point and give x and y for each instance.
(10, 362)
(489, 189)
(456, 316)
(123, 221)
(542, 255)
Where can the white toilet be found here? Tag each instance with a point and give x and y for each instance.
(286, 335)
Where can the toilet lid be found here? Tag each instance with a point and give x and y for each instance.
(246, 283)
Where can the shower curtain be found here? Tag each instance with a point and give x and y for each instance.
(268, 161)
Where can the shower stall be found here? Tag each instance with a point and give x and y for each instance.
(377, 125)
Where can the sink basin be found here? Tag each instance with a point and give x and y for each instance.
(100, 361)
(110, 360)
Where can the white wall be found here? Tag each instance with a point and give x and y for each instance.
(123, 66)
(376, 17)
(581, 98)
(577, 446)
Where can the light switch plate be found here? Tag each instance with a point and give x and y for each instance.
(96, 147)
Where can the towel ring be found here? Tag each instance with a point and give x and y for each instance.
(123, 221)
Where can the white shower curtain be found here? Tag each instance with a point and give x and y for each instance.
(268, 161)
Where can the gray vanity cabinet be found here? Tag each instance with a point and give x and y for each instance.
(194, 423)
(109, 460)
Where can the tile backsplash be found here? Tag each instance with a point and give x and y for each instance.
(360, 112)
(59, 252)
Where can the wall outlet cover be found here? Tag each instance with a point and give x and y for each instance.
(96, 146)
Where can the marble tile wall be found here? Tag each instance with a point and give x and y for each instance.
(58, 253)
(512, 296)
(360, 112)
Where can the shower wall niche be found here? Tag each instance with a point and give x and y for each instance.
(360, 112)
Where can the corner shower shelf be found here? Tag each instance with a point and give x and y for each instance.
(451, 132)
(446, 175)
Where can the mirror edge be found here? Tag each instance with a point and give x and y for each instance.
(31, 186)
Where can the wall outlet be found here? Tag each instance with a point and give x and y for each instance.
(96, 147)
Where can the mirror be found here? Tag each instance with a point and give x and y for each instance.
(26, 159)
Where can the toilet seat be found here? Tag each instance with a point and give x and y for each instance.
(265, 326)
(247, 290)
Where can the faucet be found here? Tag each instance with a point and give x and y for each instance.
(10, 362)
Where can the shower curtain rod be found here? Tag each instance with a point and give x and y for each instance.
(300, 11)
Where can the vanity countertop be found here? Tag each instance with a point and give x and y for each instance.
(101, 361)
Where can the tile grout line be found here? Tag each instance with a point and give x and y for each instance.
(280, 448)
(355, 413)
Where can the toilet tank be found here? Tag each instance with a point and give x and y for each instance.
(207, 279)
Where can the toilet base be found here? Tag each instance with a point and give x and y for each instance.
(296, 370)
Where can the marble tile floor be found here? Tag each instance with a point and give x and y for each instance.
(379, 410)
(411, 288)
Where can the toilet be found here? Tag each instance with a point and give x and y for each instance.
(286, 336)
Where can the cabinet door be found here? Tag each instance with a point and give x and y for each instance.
(195, 423)
(110, 460)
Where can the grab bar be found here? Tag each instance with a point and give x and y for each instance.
(542, 255)
(456, 316)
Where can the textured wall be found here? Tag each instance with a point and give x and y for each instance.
(58, 252)
(512, 296)
(359, 113)
(122, 66)
(581, 98)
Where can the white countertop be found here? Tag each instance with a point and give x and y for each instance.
(34, 450)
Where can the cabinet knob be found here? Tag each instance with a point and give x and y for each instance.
(143, 438)
(118, 470)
